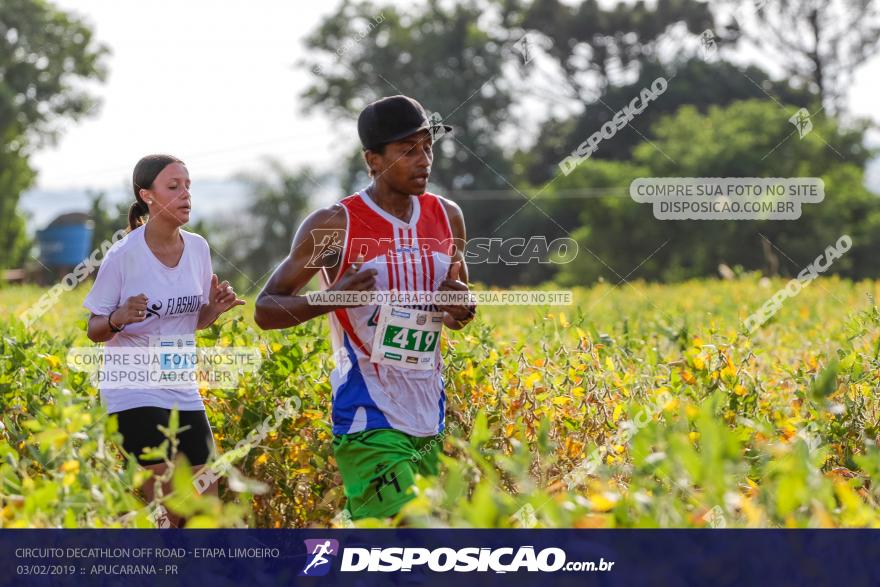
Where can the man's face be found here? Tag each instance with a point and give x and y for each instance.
(406, 164)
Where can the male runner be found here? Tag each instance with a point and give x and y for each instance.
(388, 393)
(320, 551)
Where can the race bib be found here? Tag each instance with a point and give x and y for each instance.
(407, 338)
(174, 360)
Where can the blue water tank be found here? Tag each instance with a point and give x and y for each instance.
(66, 241)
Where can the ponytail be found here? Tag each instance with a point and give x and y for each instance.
(136, 213)
(144, 175)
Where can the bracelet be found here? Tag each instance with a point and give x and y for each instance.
(112, 327)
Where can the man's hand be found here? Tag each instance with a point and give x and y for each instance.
(458, 312)
(356, 280)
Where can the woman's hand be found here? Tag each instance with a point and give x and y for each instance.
(222, 298)
(133, 310)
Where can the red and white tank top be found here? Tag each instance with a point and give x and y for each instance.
(408, 256)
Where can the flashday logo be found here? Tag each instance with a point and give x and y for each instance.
(319, 552)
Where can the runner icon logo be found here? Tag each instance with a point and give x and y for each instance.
(320, 554)
(153, 310)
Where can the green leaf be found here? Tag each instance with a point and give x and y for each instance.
(826, 383)
(480, 433)
(152, 453)
(184, 500)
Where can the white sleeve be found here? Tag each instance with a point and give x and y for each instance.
(106, 293)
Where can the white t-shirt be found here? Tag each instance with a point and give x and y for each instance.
(174, 297)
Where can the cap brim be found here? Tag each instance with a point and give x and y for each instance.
(402, 135)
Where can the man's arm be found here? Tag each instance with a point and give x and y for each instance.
(456, 317)
(279, 305)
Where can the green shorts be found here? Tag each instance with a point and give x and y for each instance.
(378, 469)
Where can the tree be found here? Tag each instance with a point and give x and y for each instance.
(15, 176)
(596, 46)
(252, 241)
(441, 54)
(106, 223)
(745, 139)
(693, 81)
(818, 43)
(45, 56)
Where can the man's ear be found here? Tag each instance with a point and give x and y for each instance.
(373, 160)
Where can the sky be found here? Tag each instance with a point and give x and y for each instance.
(211, 81)
(216, 84)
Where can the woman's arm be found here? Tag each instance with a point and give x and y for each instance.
(99, 328)
(207, 317)
(133, 310)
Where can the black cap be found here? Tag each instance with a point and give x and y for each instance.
(393, 118)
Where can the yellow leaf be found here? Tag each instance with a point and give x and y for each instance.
(71, 466)
(671, 405)
(52, 360)
(602, 502)
(561, 400)
(618, 410)
(468, 373)
(532, 379)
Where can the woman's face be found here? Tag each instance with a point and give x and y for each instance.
(170, 195)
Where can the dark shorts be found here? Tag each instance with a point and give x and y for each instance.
(140, 429)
